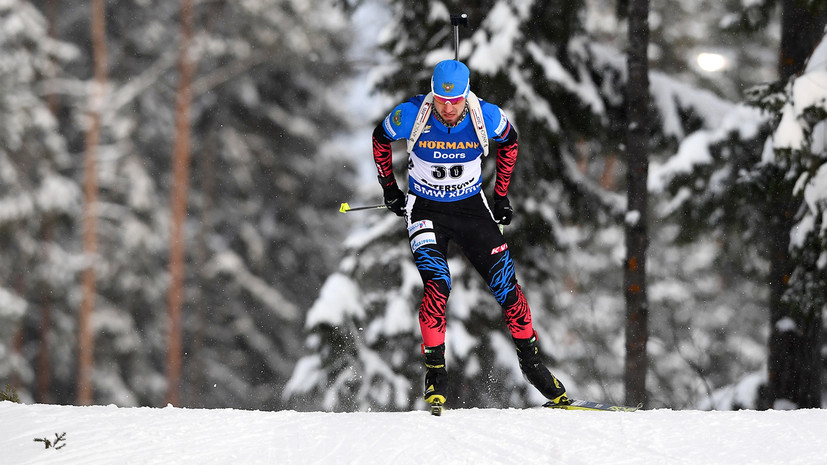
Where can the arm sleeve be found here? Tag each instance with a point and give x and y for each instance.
(382, 152)
(506, 158)
(397, 125)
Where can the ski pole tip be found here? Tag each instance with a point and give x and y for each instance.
(344, 207)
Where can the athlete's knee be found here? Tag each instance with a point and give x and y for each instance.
(502, 281)
(510, 297)
(433, 266)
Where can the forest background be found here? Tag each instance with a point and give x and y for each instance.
(170, 176)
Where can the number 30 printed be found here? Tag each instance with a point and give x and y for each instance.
(440, 171)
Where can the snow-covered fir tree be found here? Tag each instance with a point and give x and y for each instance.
(40, 201)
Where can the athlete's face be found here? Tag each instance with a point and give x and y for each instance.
(449, 109)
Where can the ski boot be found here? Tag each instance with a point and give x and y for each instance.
(536, 373)
(436, 377)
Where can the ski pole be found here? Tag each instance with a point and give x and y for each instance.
(345, 207)
(457, 20)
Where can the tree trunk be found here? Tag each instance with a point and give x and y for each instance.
(44, 356)
(181, 165)
(207, 177)
(801, 30)
(44, 359)
(17, 350)
(637, 239)
(794, 363)
(86, 340)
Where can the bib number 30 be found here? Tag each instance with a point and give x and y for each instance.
(441, 171)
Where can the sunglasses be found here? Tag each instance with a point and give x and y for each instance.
(452, 101)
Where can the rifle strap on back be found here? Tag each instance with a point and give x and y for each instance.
(426, 108)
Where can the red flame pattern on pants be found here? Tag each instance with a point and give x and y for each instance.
(518, 317)
(432, 314)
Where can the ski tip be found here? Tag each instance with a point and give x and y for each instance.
(344, 208)
(577, 404)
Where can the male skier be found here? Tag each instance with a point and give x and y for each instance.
(447, 132)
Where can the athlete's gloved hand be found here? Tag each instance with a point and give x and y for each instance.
(394, 198)
(502, 210)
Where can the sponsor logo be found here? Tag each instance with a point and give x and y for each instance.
(397, 117)
(449, 156)
(503, 123)
(423, 113)
(440, 192)
(422, 239)
(442, 145)
(420, 225)
(499, 249)
(477, 117)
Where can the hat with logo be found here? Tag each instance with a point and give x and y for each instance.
(450, 79)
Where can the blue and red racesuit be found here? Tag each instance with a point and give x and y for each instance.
(445, 203)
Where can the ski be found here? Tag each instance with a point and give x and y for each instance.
(577, 404)
(437, 408)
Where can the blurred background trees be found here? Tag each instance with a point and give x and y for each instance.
(265, 108)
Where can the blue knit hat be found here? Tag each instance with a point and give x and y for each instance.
(450, 79)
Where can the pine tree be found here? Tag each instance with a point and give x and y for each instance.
(795, 360)
(92, 139)
(178, 199)
(40, 202)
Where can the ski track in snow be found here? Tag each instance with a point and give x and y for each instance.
(108, 435)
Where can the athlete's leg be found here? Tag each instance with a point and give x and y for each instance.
(483, 244)
(433, 268)
(496, 267)
(487, 250)
(430, 248)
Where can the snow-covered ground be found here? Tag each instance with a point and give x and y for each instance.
(108, 435)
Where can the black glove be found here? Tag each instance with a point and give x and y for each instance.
(394, 198)
(502, 210)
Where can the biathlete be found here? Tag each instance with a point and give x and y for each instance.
(448, 132)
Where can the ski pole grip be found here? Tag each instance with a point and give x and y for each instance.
(459, 19)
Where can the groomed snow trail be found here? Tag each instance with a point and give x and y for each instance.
(108, 435)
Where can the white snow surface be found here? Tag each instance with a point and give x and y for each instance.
(103, 435)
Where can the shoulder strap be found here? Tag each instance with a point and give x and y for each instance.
(421, 119)
(424, 113)
(479, 123)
